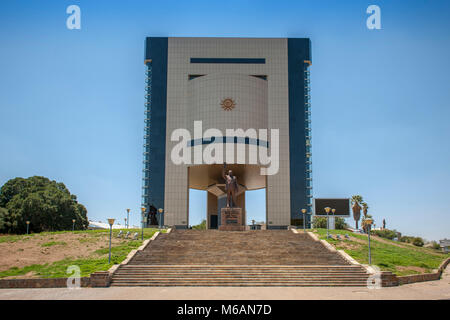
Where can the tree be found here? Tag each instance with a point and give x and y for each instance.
(365, 209)
(4, 224)
(10, 189)
(357, 198)
(201, 226)
(48, 205)
(356, 208)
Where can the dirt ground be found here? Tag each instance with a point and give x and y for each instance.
(32, 250)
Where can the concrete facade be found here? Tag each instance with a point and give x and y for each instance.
(202, 72)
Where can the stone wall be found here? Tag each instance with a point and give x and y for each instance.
(100, 279)
(40, 283)
(388, 279)
(97, 279)
(418, 278)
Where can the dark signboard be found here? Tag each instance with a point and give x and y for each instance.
(342, 206)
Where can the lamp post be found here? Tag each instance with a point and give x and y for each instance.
(327, 210)
(28, 226)
(304, 219)
(73, 225)
(143, 212)
(144, 222)
(110, 222)
(128, 218)
(126, 223)
(334, 220)
(368, 222)
(160, 210)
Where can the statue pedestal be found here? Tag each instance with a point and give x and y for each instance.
(231, 219)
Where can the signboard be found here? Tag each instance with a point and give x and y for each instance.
(342, 206)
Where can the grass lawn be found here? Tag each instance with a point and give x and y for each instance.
(94, 260)
(399, 258)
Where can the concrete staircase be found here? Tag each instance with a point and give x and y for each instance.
(212, 247)
(235, 275)
(249, 258)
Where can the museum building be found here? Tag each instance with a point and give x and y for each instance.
(223, 84)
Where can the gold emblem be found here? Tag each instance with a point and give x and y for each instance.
(228, 104)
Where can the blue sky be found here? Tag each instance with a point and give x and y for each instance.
(72, 101)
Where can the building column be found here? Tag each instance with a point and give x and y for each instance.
(211, 208)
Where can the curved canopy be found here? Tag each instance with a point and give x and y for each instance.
(205, 175)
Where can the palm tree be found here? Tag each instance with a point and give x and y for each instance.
(365, 208)
(356, 208)
(357, 198)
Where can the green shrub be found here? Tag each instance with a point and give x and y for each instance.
(319, 222)
(436, 245)
(339, 223)
(201, 226)
(385, 233)
(418, 242)
(406, 239)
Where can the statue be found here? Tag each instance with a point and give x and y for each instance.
(231, 186)
(152, 221)
(384, 224)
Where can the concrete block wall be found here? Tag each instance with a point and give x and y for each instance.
(180, 50)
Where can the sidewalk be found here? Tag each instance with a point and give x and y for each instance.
(421, 291)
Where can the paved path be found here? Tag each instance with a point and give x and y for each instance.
(425, 291)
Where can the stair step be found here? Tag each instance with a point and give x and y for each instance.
(248, 258)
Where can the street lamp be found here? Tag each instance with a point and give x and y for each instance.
(304, 219)
(334, 220)
(368, 222)
(143, 212)
(128, 218)
(73, 224)
(160, 210)
(111, 222)
(144, 222)
(327, 210)
(126, 223)
(28, 225)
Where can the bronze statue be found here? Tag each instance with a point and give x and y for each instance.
(152, 221)
(231, 186)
